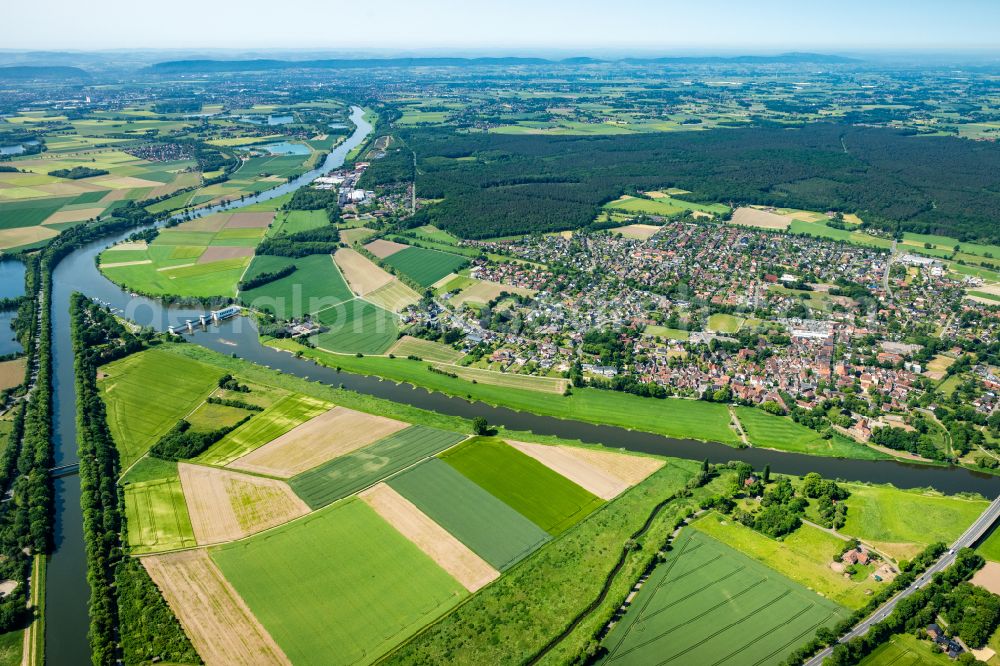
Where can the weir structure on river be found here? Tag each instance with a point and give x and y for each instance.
(67, 588)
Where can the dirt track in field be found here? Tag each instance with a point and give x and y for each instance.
(213, 615)
(450, 554)
(226, 505)
(362, 275)
(334, 433)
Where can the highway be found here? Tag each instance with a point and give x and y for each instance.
(968, 538)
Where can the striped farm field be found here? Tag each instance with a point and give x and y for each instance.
(394, 296)
(710, 604)
(356, 327)
(336, 433)
(340, 586)
(602, 473)
(157, 516)
(425, 266)
(136, 421)
(348, 474)
(264, 427)
(556, 385)
(492, 529)
(545, 497)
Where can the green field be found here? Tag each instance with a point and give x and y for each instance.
(492, 529)
(264, 427)
(149, 468)
(780, 432)
(709, 604)
(157, 516)
(820, 230)
(724, 323)
(548, 499)
(891, 517)
(667, 333)
(427, 350)
(139, 416)
(348, 474)
(316, 284)
(356, 326)
(990, 547)
(425, 266)
(338, 587)
(511, 619)
(294, 221)
(694, 419)
(906, 650)
(431, 233)
(664, 206)
(11, 646)
(804, 556)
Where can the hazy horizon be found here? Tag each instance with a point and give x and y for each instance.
(582, 27)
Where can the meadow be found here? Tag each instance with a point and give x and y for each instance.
(548, 499)
(338, 587)
(426, 349)
(489, 527)
(294, 221)
(725, 323)
(423, 266)
(782, 433)
(136, 420)
(906, 650)
(348, 474)
(665, 206)
(708, 603)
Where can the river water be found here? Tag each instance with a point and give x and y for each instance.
(67, 590)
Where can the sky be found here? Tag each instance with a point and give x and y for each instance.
(579, 26)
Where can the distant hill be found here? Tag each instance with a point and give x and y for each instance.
(213, 66)
(30, 72)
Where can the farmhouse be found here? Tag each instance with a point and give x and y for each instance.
(855, 556)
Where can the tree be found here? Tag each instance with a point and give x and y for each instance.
(767, 474)
(480, 426)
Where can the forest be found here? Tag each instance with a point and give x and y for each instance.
(892, 178)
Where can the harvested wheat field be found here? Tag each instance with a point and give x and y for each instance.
(382, 248)
(394, 296)
(213, 615)
(627, 469)
(448, 552)
(12, 373)
(582, 473)
(988, 577)
(64, 216)
(220, 252)
(362, 275)
(330, 435)
(250, 220)
(10, 238)
(638, 231)
(226, 505)
(761, 219)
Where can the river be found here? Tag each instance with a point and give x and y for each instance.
(66, 641)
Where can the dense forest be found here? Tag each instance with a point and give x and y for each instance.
(893, 179)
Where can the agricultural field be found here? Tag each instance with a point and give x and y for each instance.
(492, 529)
(137, 422)
(394, 296)
(335, 433)
(760, 219)
(12, 373)
(556, 385)
(665, 206)
(482, 292)
(356, 326)
(268, 425)
(548, 499)
(804, 556)
(361, 274)
(35, 206)
(426, 349)
(203, 257)
(294, 221)
(695, 608)
(350, 473)
(315, 284)
(425, 267)
(782, 433)
(637, 231)
(157, 517)
(367, 589)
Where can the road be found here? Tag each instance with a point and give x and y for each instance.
(968, 538)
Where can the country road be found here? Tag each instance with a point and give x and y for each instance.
(968, 538)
